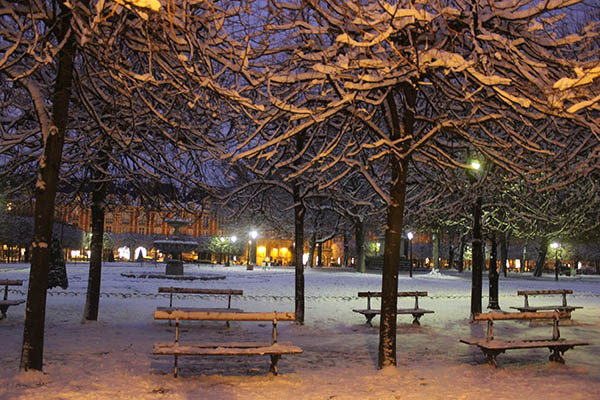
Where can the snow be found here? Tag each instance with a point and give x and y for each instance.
(111, 358)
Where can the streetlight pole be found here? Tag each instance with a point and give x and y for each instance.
(410, 236)
(555, 246)
(253, 235)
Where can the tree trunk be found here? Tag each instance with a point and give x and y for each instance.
(436, 250)
(299, 212)
(32, 351)
(346, 249)
(393, 231)
(541, 258)
(311, 250)
(523, 258)
(451, 250)
(494, 302)
(477, 267)
(504, 252)
(461, 255)
(361, 263)
(320, 254)
(92, 300)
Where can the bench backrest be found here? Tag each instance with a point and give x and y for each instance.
(178, 315)
(9, 282)
(543, 292)
(496, 316)
(224, 316)
(199, 291)
(527, 293)
(399, 294)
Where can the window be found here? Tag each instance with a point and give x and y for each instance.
(141, 231)
(108, 228)
(108, 218)
(125, 219)
(204, 222)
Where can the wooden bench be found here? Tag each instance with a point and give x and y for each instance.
(223, 292)
(273, 348)
(5, 303)
(563, 307)
(491, 346)
(416, 312)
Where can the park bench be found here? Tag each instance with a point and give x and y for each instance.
(5, 303)
(273, 348)
(416, 312)
(491, 346)
(562, 307)
(218, 292)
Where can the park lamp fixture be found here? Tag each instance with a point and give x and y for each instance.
(233, 238)
(410, 235)
(253, 234)
(475, 164)
(554, 245)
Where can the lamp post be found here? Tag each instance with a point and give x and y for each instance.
(555, 246)
(410, 236)
(477, 243)
(253, 235)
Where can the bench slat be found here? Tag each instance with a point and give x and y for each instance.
(534, 308)
(178, 313)
(199, 309)
(496, 316)
(373, 311)
(199, 291)
(224, 349)
(11, 302)
(399, 294)
(521, 344)
(543, 292)
(11, 282)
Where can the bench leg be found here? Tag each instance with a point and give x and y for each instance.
(369, 318)
(490, 356)
(175, 371)
(416, 319)
(274, 359)
(3, 310)
(555, 355)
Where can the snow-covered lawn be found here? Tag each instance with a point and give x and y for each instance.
(111, 358)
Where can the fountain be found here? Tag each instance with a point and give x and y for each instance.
(174, 247)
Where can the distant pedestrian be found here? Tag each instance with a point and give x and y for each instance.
(57, 271)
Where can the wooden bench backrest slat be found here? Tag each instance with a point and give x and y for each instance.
(224, 316)
(543, 292)
(199, 291)
(9, 282)
(495, 316)
(400, 294)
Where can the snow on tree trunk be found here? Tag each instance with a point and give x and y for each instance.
(541, 258)
(32, 351)
(477, 258)
(92, 301)
(311, 250)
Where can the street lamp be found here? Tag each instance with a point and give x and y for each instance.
(555, 246)
(410, 236)
(474, 175)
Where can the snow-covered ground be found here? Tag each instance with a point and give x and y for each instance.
(111, 358)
